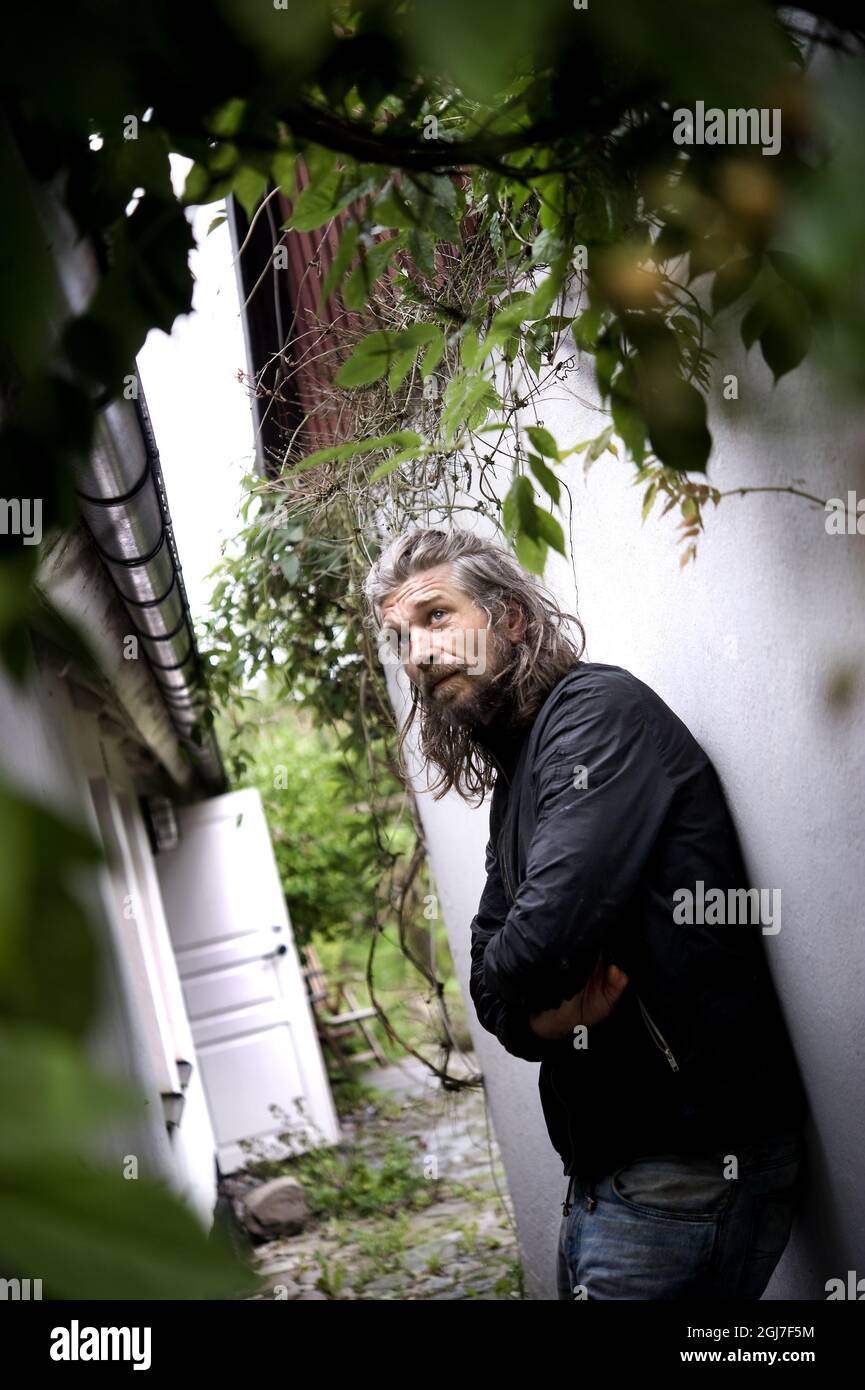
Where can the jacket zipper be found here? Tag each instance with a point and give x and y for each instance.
(571, 1148)
(504, 866)
(656, 1034)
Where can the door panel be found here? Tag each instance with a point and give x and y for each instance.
(242, 982)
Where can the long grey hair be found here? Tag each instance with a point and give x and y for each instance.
(493, 579)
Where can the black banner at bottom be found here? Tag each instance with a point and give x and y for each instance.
(61, 1338)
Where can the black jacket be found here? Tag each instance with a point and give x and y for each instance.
(695, 1055)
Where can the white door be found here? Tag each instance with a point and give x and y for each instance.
(245, 996)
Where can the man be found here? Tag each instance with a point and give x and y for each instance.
(667, 1080)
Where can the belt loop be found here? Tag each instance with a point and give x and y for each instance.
(566, 1204)
(591, 1200)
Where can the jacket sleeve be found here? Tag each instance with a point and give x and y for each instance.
(594, 832)
(509, 1024)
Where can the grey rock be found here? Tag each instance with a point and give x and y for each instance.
(276, 1208)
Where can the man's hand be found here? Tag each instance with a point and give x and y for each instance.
(595, 1002)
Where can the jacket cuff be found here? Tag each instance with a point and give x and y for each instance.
(522, 1041)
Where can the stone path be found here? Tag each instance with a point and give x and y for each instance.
(461, 1246)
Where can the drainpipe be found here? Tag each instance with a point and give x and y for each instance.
(123, 502)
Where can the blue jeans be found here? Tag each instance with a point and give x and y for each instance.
(671, 1226)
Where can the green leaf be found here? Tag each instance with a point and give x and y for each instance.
(335, 453)
(382, 352)
(290, 566)
(546, 247)
(373, 261)
(523, 308)
(433, 354)
(606, 361)
(44, 1078)
(629, 423)
(395, 460)
(586, 328)
(317, 204)
(551, 192)
(684, 325)
(371, 358)
(227, 120)
(649, 498)
(196, 185)
(543, 441)
(676, 421)
(519, 512)
(283, 169)
(732, 280)
(597, 446)
(798, 273)
(433, 199)
(753, 324)
(550, 530)
(422, 248)
(48, 976)
(89, 1232)
(531, 552)
(339, 265)
(545, 476)
(400, 367)
(472, 350)
(671, 241)
(248, 188)
(786, 338)
(392, 209)
(468, 400)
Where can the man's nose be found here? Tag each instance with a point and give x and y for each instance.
(421, 652)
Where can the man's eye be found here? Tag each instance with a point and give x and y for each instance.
(438, 610)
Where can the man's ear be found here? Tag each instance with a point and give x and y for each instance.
(516, 624)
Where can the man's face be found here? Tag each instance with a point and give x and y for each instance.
(446, 648)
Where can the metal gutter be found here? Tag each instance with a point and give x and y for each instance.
(123, 502)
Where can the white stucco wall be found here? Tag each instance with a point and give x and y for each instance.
(743, 646)
(52, 750)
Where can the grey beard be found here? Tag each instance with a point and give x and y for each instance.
(478, 707)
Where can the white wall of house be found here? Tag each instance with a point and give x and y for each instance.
(60, 754)
(746, 645)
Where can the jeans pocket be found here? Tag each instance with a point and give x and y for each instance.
(687, 1187)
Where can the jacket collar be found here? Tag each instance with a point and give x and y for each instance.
(502, 739)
